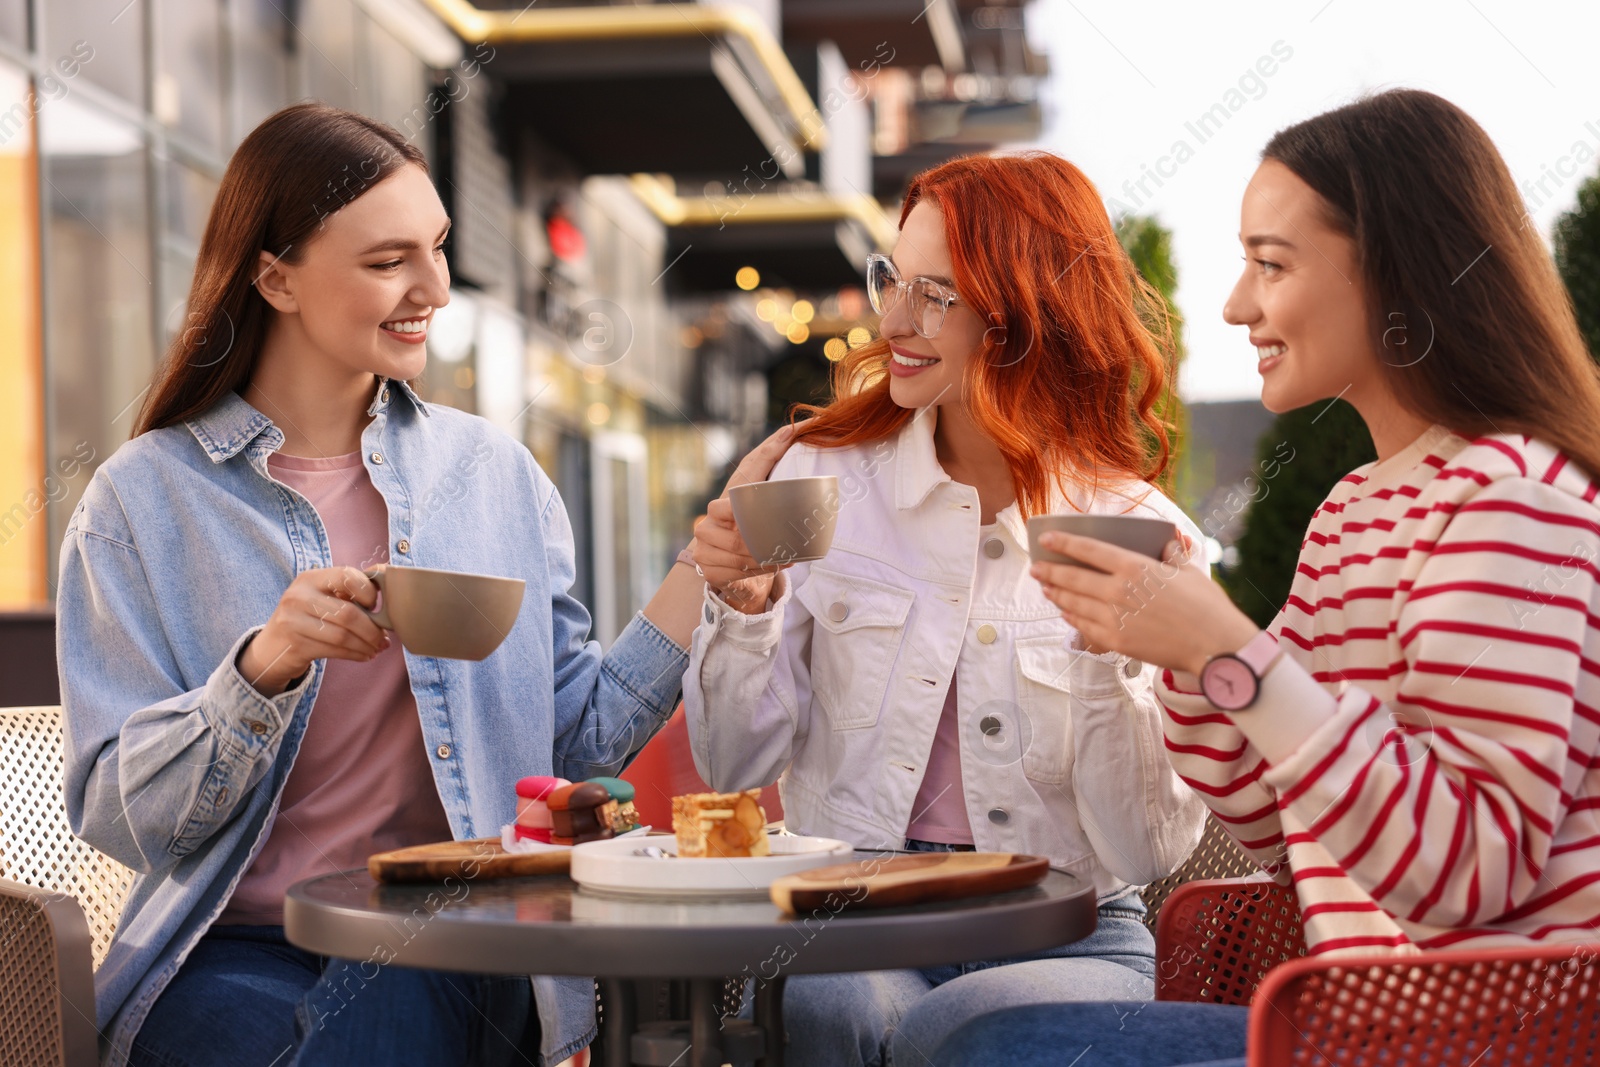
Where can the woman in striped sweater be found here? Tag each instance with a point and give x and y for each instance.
(1415, 740)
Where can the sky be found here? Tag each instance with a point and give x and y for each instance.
(1130, 81)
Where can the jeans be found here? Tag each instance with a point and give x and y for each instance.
(1150, 1034)
(245, 997)
(897, 1018)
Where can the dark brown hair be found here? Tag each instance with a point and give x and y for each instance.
(1489, 343)
(1078, 357)
(289, 175)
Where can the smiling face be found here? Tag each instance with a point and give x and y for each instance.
(367, 283)
(1302, 296)
(925, 371)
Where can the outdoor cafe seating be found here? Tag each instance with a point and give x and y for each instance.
(1224, 933)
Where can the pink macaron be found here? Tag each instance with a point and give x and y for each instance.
(533, 808)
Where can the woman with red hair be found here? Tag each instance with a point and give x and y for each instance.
(913, 688)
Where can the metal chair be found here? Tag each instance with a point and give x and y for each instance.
(59, 907)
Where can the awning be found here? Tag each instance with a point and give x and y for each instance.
(806, 240)
(690, 90)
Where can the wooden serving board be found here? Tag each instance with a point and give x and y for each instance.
(895, 881)
(479, 858)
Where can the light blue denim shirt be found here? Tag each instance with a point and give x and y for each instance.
(178, 554)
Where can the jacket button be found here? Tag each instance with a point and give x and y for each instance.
(710, 615)
(999, 815)
(443, 751)
(990, 725)
(377, 457)
(986, 634)
(838, 611)
(384, 396)
(994, 548)
(257, 727)
(404, 545)
(1132, 668)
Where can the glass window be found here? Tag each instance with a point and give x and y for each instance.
(25, 484)
(14, 22)
(117, 42)
(188, 92)
(99, 289)
(263, 39)
(189, 195)
(327, 46)
(396, 86)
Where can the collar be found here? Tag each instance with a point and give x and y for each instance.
(231, 423)
(918, 470)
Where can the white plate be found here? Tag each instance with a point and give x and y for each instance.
(611, 867)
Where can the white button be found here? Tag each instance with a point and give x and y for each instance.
(403, 545)
(986, 634)
(443, 751)
(994, 548)
(999, 815)
(838, 611)
(377, 457)
(1132, 668)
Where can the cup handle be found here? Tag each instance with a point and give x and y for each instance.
(380, 616)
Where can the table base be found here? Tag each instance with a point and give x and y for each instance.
(705, 1039)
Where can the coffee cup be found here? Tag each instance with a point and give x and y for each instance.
(450, 614)
(787, 521)
(1148, 537)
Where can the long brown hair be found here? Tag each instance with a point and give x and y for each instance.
(289, 175)
(1451, 260)
(1071, 374)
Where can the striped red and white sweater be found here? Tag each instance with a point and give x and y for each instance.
(1424, 755)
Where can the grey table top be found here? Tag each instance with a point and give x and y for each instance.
(548, 925)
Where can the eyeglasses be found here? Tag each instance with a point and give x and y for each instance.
(929, 299)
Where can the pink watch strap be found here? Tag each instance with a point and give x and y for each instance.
(1260, 652)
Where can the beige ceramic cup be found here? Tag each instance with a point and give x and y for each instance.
(787, 521)
(446, 613)
(1148, 537)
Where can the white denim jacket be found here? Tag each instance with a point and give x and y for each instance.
(838, 687)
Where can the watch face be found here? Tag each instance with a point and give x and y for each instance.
(1229, 683)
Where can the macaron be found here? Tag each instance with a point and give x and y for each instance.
(623, 793)
(581, 812)
(533, 806)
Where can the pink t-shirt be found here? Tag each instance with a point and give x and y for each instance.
(940, 811)
(361, 781)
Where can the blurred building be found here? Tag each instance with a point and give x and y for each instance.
(660, 211)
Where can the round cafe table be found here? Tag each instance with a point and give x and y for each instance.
(548, 925)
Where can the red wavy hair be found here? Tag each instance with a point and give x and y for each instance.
(1073, 383)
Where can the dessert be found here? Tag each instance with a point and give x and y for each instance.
(720, 824)
(533, 808)
(622, 792)
(581, 812)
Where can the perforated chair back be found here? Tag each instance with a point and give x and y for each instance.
(36, 844)
(46, 985)
(1216, 856)
(1537, 1005)
(1217, 940)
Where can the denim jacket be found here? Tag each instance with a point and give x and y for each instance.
(177, 555)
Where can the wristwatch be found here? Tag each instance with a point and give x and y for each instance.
(1232, 680)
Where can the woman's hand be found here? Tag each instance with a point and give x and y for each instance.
(317, 618)
(720, 554)
(1169, 613)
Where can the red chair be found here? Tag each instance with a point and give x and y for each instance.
(1239, 941)
(664, 769)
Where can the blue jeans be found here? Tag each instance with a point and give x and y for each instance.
(897, 1018)
(1152, 1034)
(245, 997)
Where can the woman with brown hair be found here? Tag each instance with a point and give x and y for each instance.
(913, 688)
(235, 721)
(1414, 741)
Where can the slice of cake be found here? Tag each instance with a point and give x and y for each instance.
(722, 825)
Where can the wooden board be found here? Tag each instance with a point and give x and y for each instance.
(895, 881)
(468, 860)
